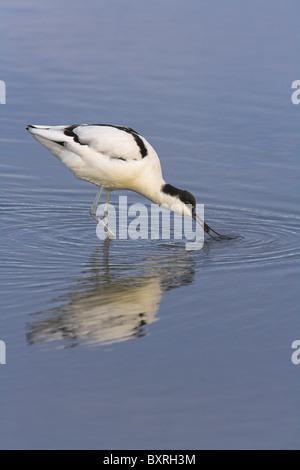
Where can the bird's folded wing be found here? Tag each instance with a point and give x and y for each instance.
(111, 141)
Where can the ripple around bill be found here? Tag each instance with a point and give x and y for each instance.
(262, 237)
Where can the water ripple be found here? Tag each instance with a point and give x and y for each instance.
(263, 237)
(57, 236)
(105, 292)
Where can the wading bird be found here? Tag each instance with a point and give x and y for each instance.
(115, 157)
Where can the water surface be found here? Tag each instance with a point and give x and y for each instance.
(143, 344)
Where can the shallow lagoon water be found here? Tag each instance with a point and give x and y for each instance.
(141, 343)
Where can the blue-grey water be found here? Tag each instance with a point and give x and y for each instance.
(143, 344)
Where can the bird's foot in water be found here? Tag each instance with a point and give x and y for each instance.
(104, 224)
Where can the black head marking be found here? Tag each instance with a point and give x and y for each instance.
(188, 198)
(184, 196)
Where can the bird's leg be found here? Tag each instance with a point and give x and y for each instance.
(104, 222)
(105, 219)
(93, 209)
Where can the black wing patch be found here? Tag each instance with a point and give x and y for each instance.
(118, 158)
(135, 135)
(69, 131)
(60, 143)
(140, 143)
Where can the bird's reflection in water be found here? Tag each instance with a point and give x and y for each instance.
(116, 298)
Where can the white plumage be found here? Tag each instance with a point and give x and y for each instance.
(114, 157)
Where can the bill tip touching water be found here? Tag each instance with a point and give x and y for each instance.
(116, 158)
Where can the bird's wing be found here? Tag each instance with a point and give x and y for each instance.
(114, 141)
(110, 141)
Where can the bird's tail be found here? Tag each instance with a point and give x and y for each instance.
(52, 134)
(60, 142)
